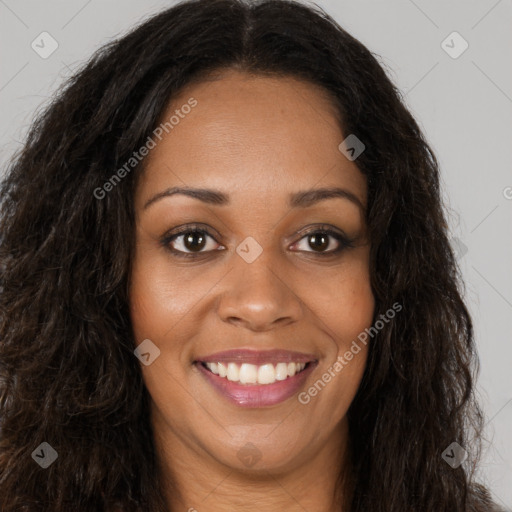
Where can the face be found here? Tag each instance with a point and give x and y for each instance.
(254, 286)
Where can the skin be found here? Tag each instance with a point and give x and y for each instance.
(257, 139)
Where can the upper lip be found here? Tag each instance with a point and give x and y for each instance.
(257, 357)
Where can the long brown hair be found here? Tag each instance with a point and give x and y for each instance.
(68, 375)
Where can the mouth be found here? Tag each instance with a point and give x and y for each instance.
(247, 373)
(249, 378)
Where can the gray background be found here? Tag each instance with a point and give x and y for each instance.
(463, 104)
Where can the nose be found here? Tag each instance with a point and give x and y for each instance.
(258, 296)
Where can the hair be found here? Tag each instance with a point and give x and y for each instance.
(68, 375)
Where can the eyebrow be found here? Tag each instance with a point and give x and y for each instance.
(301, 199)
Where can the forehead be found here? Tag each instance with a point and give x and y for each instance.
(250, 133)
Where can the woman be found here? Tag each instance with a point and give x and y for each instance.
(227, 283)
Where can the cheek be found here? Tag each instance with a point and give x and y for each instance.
(158, 307)
(160, 297)
(353, 312)
(344, 303)
(345, 308)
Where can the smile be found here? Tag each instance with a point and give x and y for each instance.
(247, 373)
(251, 378)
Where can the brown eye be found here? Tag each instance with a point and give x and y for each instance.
(190, 242)
(323, 242)
(318, 241)
(194, 241)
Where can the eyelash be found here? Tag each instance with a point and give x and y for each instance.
(344, 242)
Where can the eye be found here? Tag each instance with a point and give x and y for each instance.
(324, 241)
(193, 240)
(190, 241)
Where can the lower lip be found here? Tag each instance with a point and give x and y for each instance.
(254, 395)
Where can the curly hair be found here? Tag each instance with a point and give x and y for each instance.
(68, 375)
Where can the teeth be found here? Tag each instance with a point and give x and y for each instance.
(233, 372)
(266, 374)
(281, 371)
(248, 374)
(252, 374)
